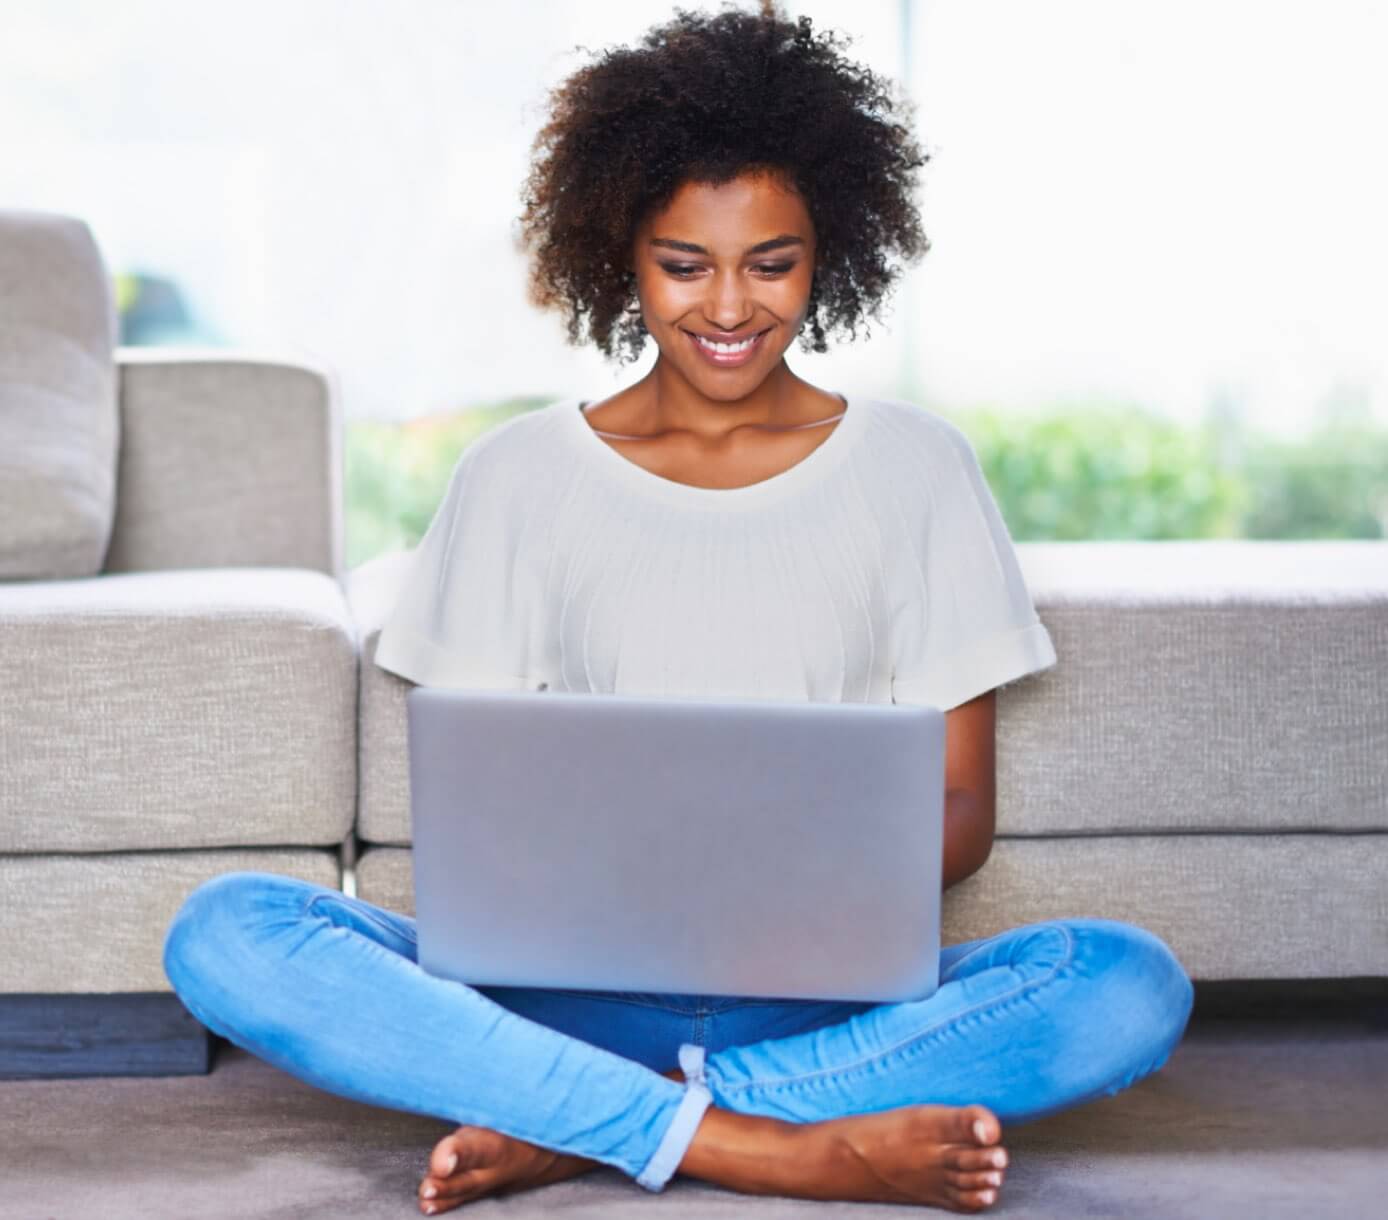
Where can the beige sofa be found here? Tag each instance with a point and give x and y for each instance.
(178, 666)
(187, 687)
(1206, 760)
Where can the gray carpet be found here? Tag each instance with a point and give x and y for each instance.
(1275, 1110)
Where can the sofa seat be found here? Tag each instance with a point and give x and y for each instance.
(95, 924)
(176, 709)
(1203, 687)
(1206, 761)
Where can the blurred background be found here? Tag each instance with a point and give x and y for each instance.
(1155, 298)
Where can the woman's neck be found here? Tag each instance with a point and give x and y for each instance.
(663, 401)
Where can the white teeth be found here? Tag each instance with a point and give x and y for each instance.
(726, 348)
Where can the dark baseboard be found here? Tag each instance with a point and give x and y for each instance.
(1360, 1000)
(53, 1037)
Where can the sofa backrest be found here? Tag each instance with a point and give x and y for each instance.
(59, 424)
(228, 459)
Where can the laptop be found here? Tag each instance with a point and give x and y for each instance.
(680, 845)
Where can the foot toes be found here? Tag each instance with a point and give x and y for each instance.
(462, 1187)
(445, 1158)
(432, 1207)
(972, 1200)
(989, 1180)
(974, 1159)
(453, 1175)
(981, 1125)
(434, 1188)
(466, 1148)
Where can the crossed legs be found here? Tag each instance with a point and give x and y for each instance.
(1024, 1023)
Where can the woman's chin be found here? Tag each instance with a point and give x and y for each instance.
(724, 385)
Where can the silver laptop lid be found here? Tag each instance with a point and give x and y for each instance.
(729, 847)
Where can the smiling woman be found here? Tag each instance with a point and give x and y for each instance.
(733, 185)
(727, 188)
(702, 100)
(722, 311)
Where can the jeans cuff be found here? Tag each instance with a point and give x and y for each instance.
(680, 1133)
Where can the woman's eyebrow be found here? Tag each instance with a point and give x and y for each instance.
(772, 243)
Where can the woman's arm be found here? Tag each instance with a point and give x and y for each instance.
(969, 787)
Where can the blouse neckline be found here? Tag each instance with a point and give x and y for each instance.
(813, 466)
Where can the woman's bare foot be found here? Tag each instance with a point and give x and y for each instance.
(927, 1154)
(936, 1156)
(490, 1163)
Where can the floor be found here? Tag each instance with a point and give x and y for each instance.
(1275, 1105)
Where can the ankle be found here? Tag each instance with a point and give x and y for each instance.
(745, 1152)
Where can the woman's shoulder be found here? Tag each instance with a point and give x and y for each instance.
(516, 430)
(926, 432)
(517, 442)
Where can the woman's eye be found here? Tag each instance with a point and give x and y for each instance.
(684, 270)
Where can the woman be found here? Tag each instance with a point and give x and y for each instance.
(719, 526)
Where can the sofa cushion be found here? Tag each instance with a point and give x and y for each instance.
(1230, 906)
(81, 924)
(187, 708)
(1206, 686)
(227, 460)
(59, 427)
(1223, 685)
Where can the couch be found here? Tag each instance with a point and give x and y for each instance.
(178, 663)
(1208, 759)
(187, 687)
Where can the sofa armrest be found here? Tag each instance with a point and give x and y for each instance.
(226, 460)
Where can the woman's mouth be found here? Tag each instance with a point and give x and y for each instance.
(727, 355)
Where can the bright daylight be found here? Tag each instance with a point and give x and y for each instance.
(745, 605)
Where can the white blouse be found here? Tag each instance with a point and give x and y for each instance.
(877, 569)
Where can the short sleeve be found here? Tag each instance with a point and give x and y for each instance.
(977, 628)
(453, 622)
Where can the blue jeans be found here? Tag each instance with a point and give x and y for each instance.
(327, 988)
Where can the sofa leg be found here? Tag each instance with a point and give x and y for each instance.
(148, 1033)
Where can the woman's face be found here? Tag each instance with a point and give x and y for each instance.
(726, 263)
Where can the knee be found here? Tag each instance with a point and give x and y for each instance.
(1148, 994)
(211, 921)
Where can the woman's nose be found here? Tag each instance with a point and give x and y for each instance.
(727, 306)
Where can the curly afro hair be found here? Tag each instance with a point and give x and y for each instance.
(705, 98)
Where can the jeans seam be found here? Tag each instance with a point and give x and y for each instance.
(627, 998)
(683, 1011)
(917, 1035)
(758, 1002)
